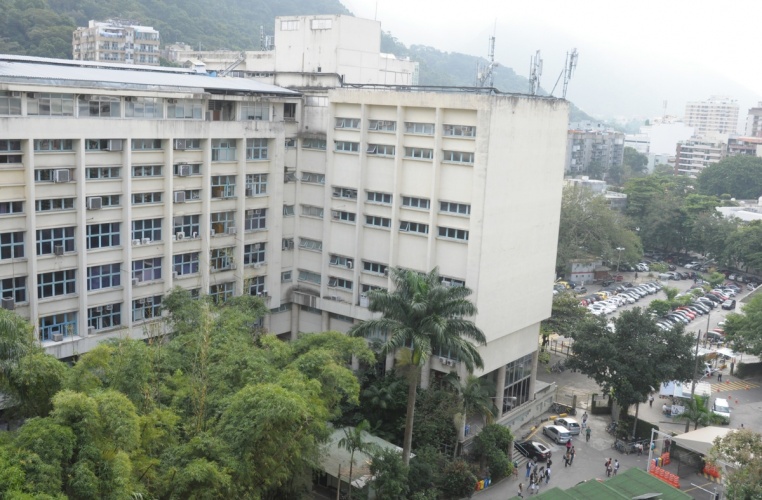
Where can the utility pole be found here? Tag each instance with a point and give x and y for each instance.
(619, 249)
(695, 369)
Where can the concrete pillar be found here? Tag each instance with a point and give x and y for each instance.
(426, 374)
(294, 321)
(324, 321)
(534, 375)
(500, 390)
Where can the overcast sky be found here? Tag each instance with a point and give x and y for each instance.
(632, 55)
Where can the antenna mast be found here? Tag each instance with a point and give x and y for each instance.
(535, 72)
(571, 65)
(484, 75)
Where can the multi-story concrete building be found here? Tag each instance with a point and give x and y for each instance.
(716, 115)
(121, 185)
(695, 154)
(749, 146)
(754, 121)
(605, 148)
(116, 41)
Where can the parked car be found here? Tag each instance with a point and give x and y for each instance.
(557, 433)
(571, 425)
(715, 337)
(533, 450)
(729, 304)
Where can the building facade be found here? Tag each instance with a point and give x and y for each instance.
(694, 155)
(716, 115)
(754, 121)
(601, 149)
(116, 41)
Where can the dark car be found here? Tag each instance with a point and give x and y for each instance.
(672, 267)
(534, 450)
(729, 304)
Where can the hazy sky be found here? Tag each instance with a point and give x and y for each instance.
(632, 55)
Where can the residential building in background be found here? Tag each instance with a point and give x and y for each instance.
(754, 121)
(693, 155)
(116, 41)
(749, 146)
(716, 115)
(602, 148)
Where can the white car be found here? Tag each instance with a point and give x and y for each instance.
(598, 311)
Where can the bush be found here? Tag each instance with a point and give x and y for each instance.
(459, 480)
(493, 448)
(743, 370)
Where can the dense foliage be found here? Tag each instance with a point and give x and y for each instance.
(739, 455)
(737, 176)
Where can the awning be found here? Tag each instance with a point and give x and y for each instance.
(702, 439)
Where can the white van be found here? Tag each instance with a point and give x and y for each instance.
(722, 408)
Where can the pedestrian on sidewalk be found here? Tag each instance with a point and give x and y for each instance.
(568, 445)
(520, 493)
(587, 434)
(616, 466)
(566, 460)
(639, 447)
(529, 468)
(547, 475)
(719, 376)
(584, 420)
(571, 455)
(651, 401)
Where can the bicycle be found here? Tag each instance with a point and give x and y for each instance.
(611, 428)
(620, 446)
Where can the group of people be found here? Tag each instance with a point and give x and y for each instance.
(611, 468)
(535, 477)
(569, 455)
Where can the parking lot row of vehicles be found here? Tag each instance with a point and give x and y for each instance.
(560, 432)
(721, 296)
(606, 302)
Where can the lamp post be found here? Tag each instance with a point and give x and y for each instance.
(619, 259)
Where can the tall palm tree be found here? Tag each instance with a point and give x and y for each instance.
(354, 440)
(697, 412)
(426, 317)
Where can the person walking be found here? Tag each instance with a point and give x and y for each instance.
(566, 460)
(584, 420)
(571, 455)
(529, 468)
(616, 466)
(607, 466)
(719, 376)
(651, 401)
(547, 475)
(587, 434)
(568, 445)
(520, 493)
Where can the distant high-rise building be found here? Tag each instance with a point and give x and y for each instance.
(754, 122)
(600, 148)
(717, 114)
(116, 41)
(694, 155)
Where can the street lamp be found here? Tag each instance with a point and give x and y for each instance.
(619, 259)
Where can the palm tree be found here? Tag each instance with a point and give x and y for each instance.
(353, 441)
(425, 317)
(697, 412)
(476, 397)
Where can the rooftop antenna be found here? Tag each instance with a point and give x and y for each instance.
(567, 72)
(262, 38)
(535, 72)
(484, 75)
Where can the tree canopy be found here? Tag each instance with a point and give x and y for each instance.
(738, 176)
(744, 331)
(739, 453)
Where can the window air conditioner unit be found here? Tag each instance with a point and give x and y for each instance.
(386, 272)
(114, 145)
(335, 214)
(257, 246)
(232, 230)
(443, 360)
(174, 237)
(135, 281)
(135, 243)
(91, 330)
(249, 192)
(175, 274)
(185, 170)
(58, 250)
(180, 144)
(9, 303)
(146, 241)
(180, 235)
(249, 213)
(62, 175)
(94, 203)
(194, 235)
(179, 196)
(57, 337)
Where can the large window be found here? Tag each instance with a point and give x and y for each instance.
(309, 276)
(146, 144)
(453, 233)
(344, 284)
(56, 283)
(223, 149)
(414, 227)
(146, 229)
(460, 131)
(313, 178)
(312, 211)
(221, 292)
(256, 285)
(220, 111)
(54, 204)
(256, 184)
(419, 153)
(58, 324)
(14, 288)
(9, 104)
(103, 235)
(455, 208)
(382, 125)
(256, 149)
(146, 308)
(186, 263)
(143, 107)
(412, 202)
(105, 276)
(46, 104)
(146, 269)
(346, 146)
(458, 157)
(374, 267)
(342, 192)
(45, 145)
(12, 245)
(103, 145)
(92, 173)
(518, 376)
(308, 244)
(419, 128)
(185, 109)
(343, 216)
(49, 239)
(146, 171)
(374, 220)
(380, 149)
(147, 198)
(103, 317)
(11, 207)
(311, 143)
(222, 222)
(223, 186)
(353, 123)
(255, 111)
(103, 106)
(221, 259)
(254, 253)
(189, 225)
(256, 219)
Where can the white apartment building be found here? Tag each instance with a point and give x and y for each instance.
(716, 115)
(122, 184)
(754, 121)
(693, 155)
(116, 41)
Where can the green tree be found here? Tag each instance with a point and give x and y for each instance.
(715, 279)
(390, 474)
(744, 246)
(565, 313)
(659, 307)
(423, 313)
(458, 480)
(494, 448)
(740, 452)
(739, 176)
(354, 440)
(636, 162)
(697, 412)
(744, 331)
(671, 292)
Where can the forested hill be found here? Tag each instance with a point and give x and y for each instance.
(44, 28)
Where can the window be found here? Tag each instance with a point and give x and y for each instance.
(103, 235)
(103, 144)
(54, 204)
(12, 245)
(343, 216)
(221, 292)
(63, 323)
(419, 128)
(186, 263)
(452, 281)
(146, 171)
(372, 220)
(450, 232)
(221, 222)
(92, 173)
(346, 146)
(287, 244)
(146, 229)
(146, 269)
(411, 202)
(289, 111)
(288, 210)
(313, 100)
(289, 25)
(376, 197)
(110, 200)
(309, 276)
(102, 317)
(256, 184)
(458, 157)
(56, 283)
(308, 244)
(518, 374)
(143, 107)
(460, 131)
(374, 267)
(414, 227)
(369, 288)
(286, 276)
(254, 253)
(14, 288)
(186, 169)
(419, 153)
(146, 144)
(382, 125)
(9, 105)
(380, 149)
(255, 219)
(45, 145)
(183, 144)
(6, 159)
(103, 106)
(341, 261)
(348, 193)
(289, 175)
(223, 186)
(146, 308)
(353, 123)
(321, 24)
(185, 109)
(313, 178)
(342, 283)
(189, 225)
(313, 144)
(223, 149)
(256, 285)
(290, 143)
(11, 207)
(46, 104)
(49, 239)
(10, 145)
(312, 211)
(47, 174)
(256, 149)
(455, 208)
(146, 198)
(105, 276)
(255, 111)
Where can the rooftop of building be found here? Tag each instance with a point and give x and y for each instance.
(98, 75)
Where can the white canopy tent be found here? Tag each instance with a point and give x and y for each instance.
(683, 389)
(702, 439)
